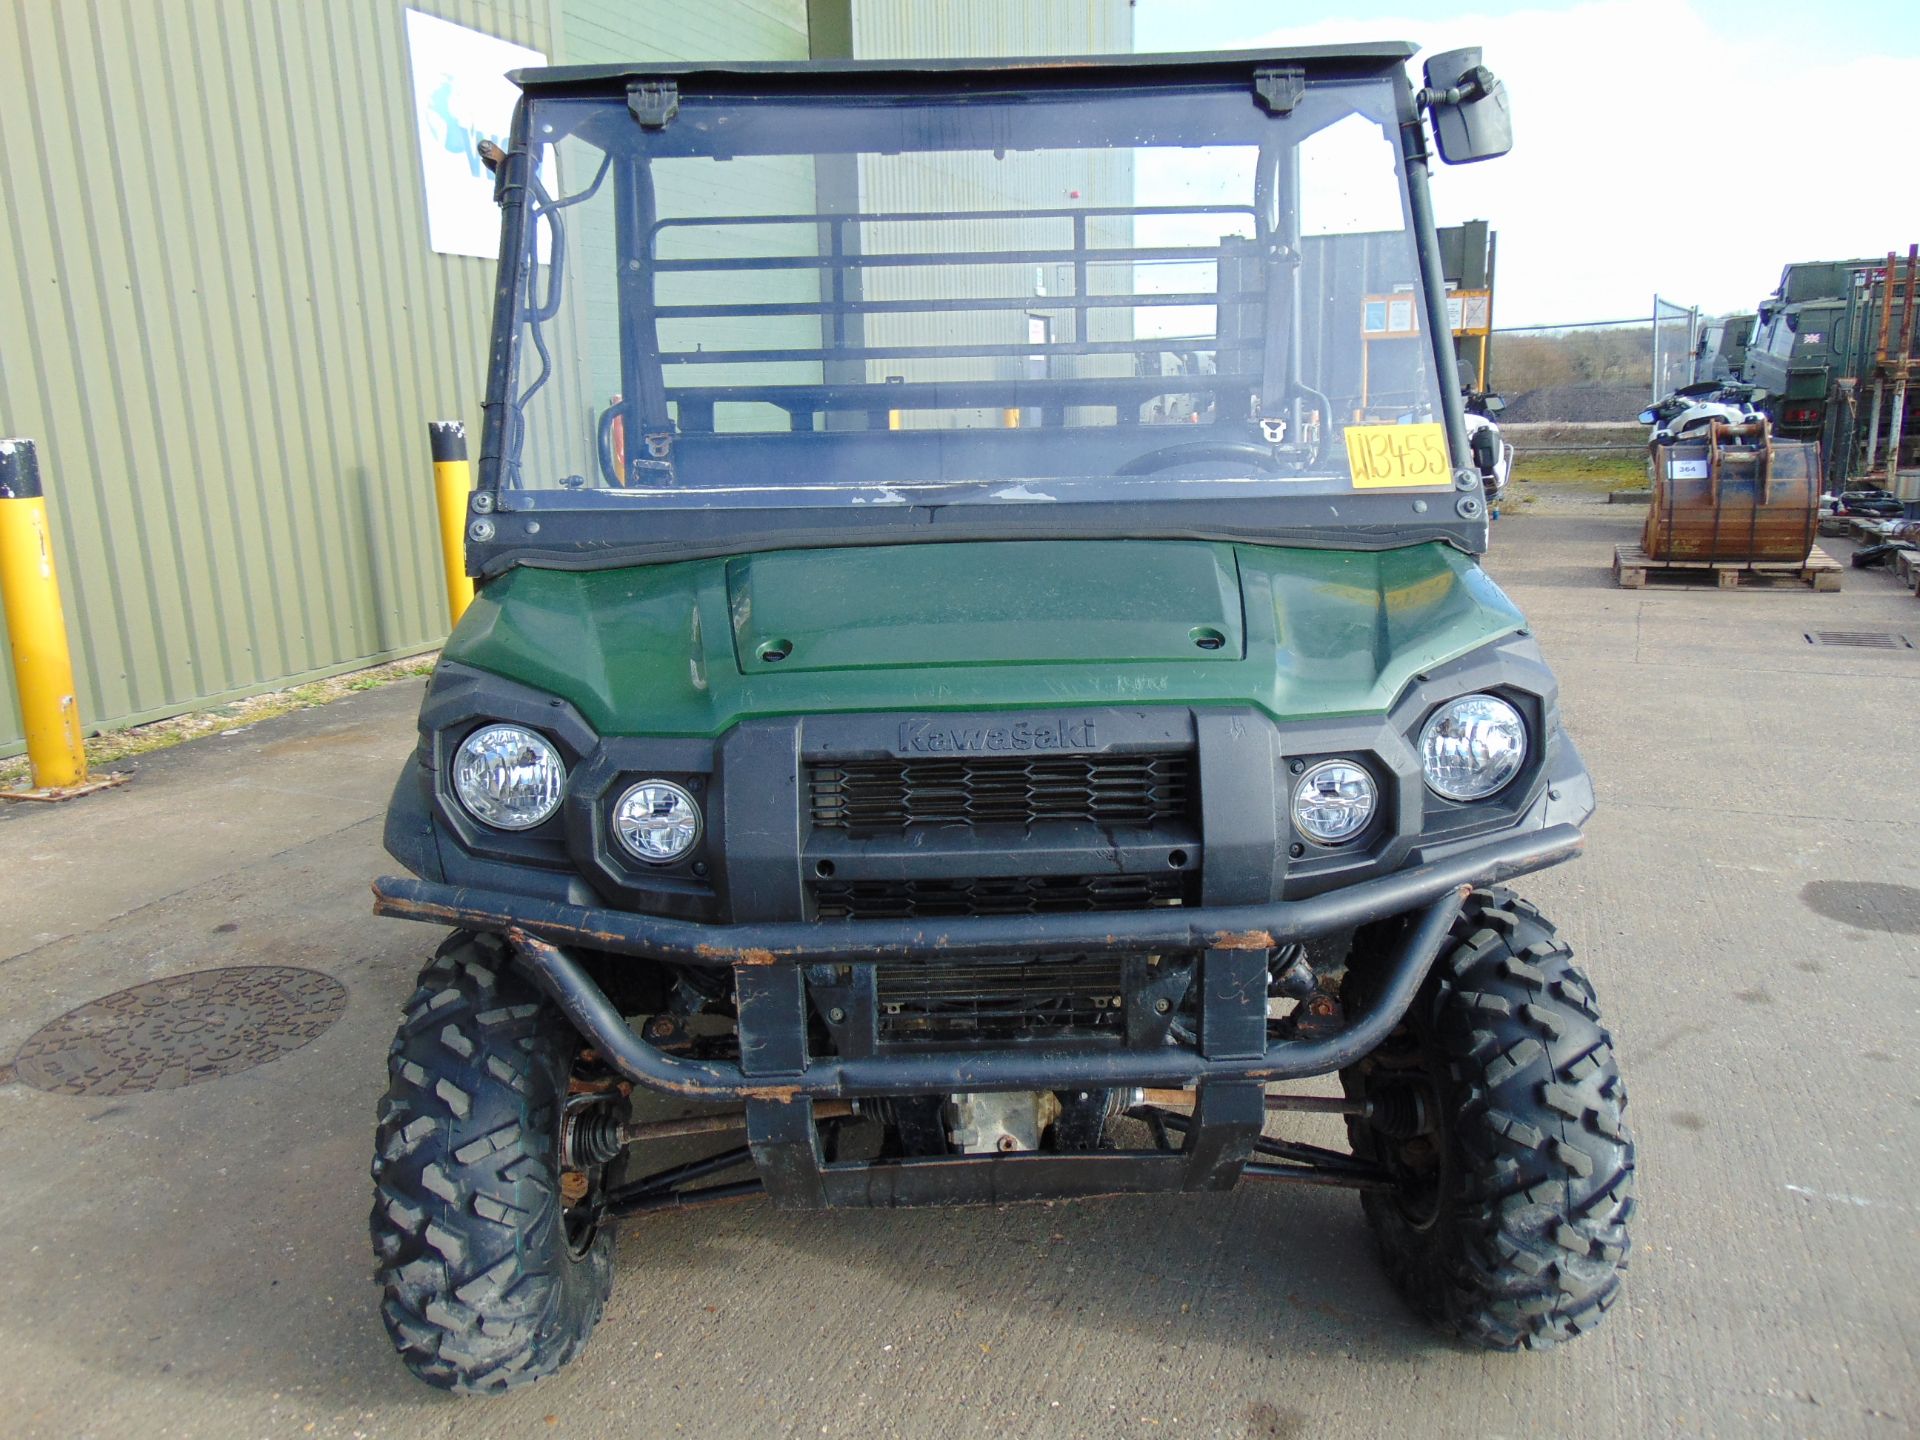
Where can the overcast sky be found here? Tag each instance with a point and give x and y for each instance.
(1660, 145)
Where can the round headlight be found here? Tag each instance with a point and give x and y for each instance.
(1472, 747)
(507, 777)
(1333, 802)
(657, 821)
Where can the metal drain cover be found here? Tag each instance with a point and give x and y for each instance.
(1859, 639)
(180, 1031)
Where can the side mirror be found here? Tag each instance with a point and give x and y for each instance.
(1494, 404)
(1648, 417)
(1472, 119)
(1486, 451)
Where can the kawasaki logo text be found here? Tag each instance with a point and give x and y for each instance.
(925, 737)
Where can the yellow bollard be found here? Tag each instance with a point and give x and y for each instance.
(37, 630)
(452, 485)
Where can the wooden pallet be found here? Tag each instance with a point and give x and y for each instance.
(1632, 566)
(1906, 565)
(1866, 530)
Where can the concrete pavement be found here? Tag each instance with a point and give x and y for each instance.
(194, 1262)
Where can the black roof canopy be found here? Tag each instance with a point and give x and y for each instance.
(1103, 91)
(1025, 72)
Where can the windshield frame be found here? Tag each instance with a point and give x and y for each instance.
(582, 528)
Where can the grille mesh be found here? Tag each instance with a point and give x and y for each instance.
(998, 895)
(952, 1000)
(869, 797)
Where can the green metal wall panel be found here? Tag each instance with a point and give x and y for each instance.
(619, 30)
(675, 30)
(221, 319)
(903, 29)
(924, 29)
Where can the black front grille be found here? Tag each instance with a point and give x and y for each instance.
(967, 999)
(998, 895)
(871, 797)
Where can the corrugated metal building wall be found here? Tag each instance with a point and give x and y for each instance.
(918, 184)
(750, 29)
(220, 318)
(929, 29)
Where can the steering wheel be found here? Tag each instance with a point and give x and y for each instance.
(1201, 452)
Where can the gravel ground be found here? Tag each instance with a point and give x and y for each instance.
(1580, 403)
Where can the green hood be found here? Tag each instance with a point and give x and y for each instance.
(683, 649)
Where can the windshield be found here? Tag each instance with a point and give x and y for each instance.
(874, 299)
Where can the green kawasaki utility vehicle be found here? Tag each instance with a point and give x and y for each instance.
(979, 670)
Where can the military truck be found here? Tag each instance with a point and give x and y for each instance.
(946, 752)
(1804, 280)
(1721, 354)
(1873, 426)
(1800, 342)
(1795, 357)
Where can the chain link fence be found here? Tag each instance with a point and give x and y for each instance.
(1676, 342)
(1592, 372)
(1577, 389)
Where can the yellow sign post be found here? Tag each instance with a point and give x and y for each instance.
(452, 485)
(37, 632)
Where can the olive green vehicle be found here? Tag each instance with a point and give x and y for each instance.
(1721, 355)
(1795, 357)
(980, 670)
(1800, 342)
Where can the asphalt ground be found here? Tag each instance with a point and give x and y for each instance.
(194, 1261)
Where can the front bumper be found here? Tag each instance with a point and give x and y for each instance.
(769, 961)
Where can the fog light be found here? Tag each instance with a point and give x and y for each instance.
(657, 821)
(1333, 802)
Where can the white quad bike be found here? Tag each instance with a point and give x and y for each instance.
(1689, 412)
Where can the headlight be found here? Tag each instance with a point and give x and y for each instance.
(507, 777)
(657, 821)
(1333, 801)
(1472, 747)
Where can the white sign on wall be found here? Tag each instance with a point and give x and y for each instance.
(461, 96)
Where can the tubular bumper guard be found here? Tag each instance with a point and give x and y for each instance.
(769, 959)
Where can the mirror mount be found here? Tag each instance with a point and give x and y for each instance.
(1475, 84)
(1472, 118)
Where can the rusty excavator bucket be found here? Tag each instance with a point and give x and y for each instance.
(1738, 494)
